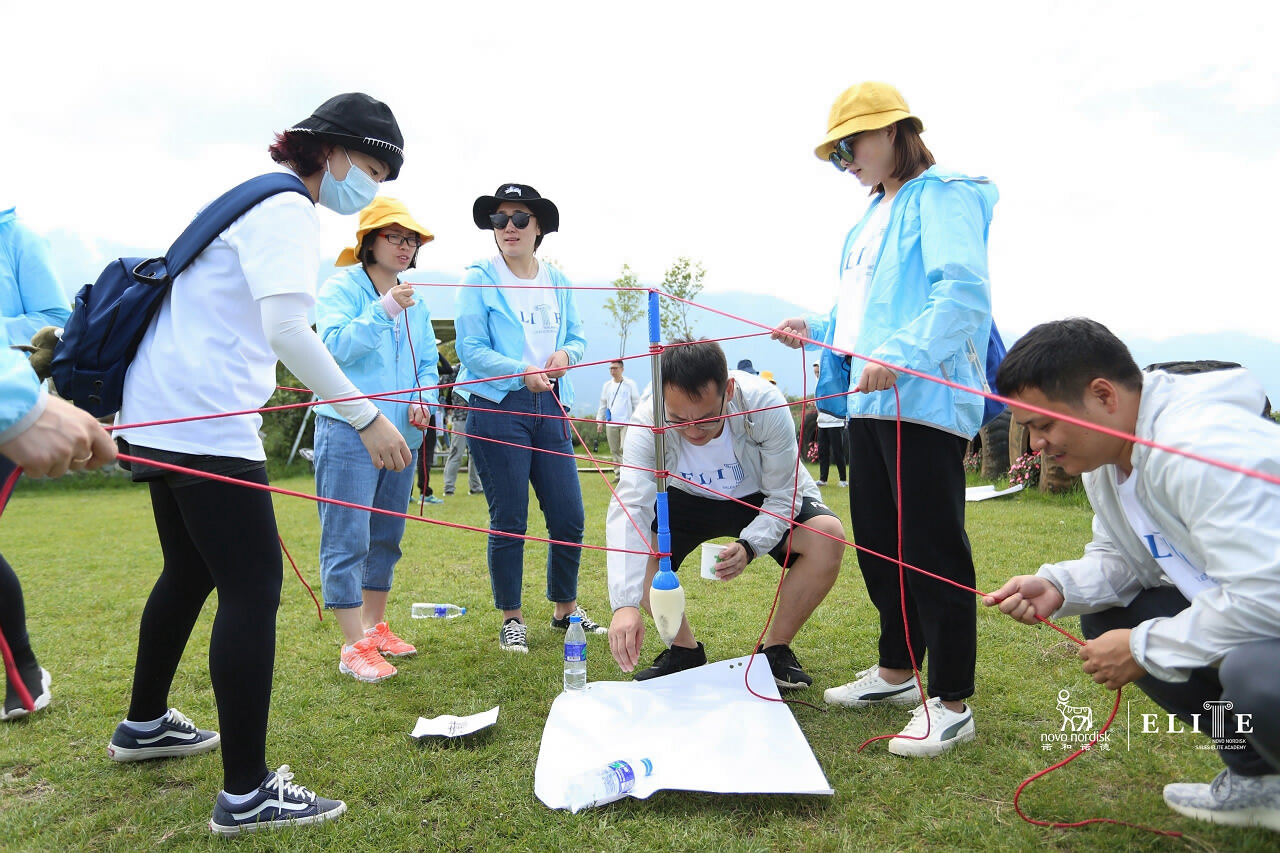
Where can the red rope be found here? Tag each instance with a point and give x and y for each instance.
(11, 667)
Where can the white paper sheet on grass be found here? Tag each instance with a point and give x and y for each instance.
(701, 729)
(982, 493)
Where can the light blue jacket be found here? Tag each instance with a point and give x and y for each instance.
(22, 399)
(30, 296)
(928, 307)
(491, 337)
(361, 335)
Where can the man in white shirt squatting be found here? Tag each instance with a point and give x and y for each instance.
(714, 453)
(1179, 590)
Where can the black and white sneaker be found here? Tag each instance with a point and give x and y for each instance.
(589, 625)
(673, 660)
(37, 681)
(785, 668)
(514, 636)
(277, 802)
(174, 736)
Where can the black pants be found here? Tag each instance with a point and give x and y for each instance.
(941, 619)
(426, 459)
(13, 614)
(831, 441)
(215, 536)
(1246, 677)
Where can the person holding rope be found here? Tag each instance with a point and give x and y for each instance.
(1179, 591)
(731, 440)
(518, 333)
(212, 347)
(45, 436)
(915, 293)
(383, 340)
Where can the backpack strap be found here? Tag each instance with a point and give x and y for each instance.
(215, 219)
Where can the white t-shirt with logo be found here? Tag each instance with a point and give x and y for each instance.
(855, 278)
(534, 302)
(1189, 579)
(205, 350)
(715, 465)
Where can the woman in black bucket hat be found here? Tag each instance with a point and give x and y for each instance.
(213, 347)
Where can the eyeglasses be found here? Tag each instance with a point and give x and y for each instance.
(842, 155)
(412, 240)
(701, 424)
(519, 219)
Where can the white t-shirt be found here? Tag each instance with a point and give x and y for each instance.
(1189, 580)
(534, 301)
(616, 399)
(716, 466)
(855, 278)
(205, 350)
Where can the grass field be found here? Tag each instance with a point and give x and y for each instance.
(88, 556)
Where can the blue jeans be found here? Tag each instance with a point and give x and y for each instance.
(358, 549)
(507, 472)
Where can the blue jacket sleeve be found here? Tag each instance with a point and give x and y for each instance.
(476, 346)
(34, 298)
(349, 326)
(22, 399)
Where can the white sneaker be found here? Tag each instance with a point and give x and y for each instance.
(871, 689)
(1229, 799)
(934, 729)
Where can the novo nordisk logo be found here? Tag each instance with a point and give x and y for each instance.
(1076, 731)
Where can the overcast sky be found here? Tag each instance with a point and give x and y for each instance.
(1136, 146)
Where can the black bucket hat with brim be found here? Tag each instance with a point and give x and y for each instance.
(357, 121)
(543, 208)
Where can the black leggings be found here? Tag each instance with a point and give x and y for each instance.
(13, 615)
(942, 619)
(831, 450)
(215, 536)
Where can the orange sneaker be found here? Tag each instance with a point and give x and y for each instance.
(388, 643)
(362, 662)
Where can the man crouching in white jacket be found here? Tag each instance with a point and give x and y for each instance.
(1180, 587)
(730, 444)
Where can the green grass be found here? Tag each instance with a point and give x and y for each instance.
(88, 557)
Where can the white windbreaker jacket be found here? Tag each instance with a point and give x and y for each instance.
(1226, 524)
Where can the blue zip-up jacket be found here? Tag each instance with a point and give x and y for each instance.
(30, 296)
(491, 337)
(928, 306)
(22, 398)
(358, 331)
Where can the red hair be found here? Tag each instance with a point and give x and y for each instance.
(303, 151)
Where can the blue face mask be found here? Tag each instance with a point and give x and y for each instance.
(350, 195)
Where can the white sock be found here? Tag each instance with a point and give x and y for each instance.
(241, 799)
(153, 724)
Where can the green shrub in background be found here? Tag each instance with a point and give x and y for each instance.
(279, 429)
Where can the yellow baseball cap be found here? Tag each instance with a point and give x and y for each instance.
(864, 106)
(380, 213)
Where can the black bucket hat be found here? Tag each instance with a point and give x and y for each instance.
(543, 208)
(356, 121)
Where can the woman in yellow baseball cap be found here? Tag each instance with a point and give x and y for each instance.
(382, 339)
(915, 293)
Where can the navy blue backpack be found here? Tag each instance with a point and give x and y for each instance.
(995, 355)
(111, 315)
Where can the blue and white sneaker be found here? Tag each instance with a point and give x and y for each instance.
(933, 730)
(174, 736)
(277, 802)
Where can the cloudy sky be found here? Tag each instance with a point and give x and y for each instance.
(1136, 145)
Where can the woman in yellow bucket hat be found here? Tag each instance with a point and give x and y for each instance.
(382, 339)
(915, 293)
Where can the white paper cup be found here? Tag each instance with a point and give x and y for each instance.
(710, 553)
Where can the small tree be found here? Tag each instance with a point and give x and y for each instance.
(626, 305)
(683, 279)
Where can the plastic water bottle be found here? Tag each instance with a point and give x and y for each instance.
(575, 656)
(605, 784)
(431, 610)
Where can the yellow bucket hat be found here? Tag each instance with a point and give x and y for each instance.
(864, 106)
(380, 213)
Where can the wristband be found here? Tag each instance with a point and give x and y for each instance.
(746, 546)
(369, 424)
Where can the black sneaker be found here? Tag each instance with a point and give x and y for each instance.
(174, 736)
(673, 660)
(589, 625)
(786, 669)
(513, 636)
(36, 679)
(277, 802)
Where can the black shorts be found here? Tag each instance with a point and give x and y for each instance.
(695, 520)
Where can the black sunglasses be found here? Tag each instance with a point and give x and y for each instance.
(842, 154)
(519, 219)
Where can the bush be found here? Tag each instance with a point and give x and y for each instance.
(1025, 470)
(279, 429)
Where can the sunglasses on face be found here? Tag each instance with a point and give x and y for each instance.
(519, 219)
(842, 155)
(412, 240)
